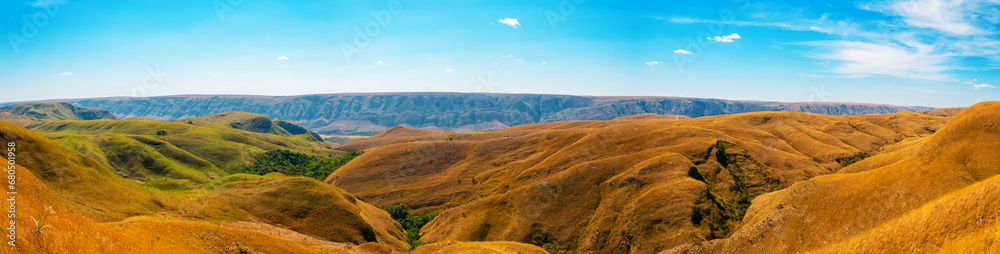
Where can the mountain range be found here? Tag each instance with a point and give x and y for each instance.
(367, 114)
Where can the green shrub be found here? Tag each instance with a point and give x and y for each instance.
(554, 248)
(847, 161)
(298, 164)
(161, 133)
(410, 223)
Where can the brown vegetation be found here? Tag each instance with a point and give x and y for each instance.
(632, 185)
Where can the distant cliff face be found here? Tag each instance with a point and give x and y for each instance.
(370, 113)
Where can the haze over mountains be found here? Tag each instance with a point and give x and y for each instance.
(366, 114)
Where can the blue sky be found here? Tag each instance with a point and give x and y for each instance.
(905, 52)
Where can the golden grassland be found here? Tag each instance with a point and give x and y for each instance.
(937, 194)
(764, 182)
(76, 195)
(82, 207)
(640, 184)
(499, 247)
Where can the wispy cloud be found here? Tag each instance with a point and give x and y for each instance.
(282, 58)
(860, 59)
(686, 20)
(821, 25)
(978, 86)
(916, 39)
(951, 16)
(651, 63)
(379, 62)
(682, 52)
(726, 39)
(812, 75)
(65, 74)
(510, 22)
(448, 70)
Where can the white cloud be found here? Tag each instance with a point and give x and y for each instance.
(727, 38)
(860, 59)
(951, 16)
(282, 58)
(379, 62)
(449, 70)
(651, 63)
(682, 52)
(510, 22)
(65, 74)
(544, 63)
(518, 60)
(978, 86)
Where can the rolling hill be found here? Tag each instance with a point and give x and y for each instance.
(146, 186)
(134, 147)
(937, 194)
(76, 205)
(367, 114)
(255, 123)
(640, 184)
(35, 112)
(758, 182)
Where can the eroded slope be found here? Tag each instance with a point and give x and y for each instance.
(629, 185)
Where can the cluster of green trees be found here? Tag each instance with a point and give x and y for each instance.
(298, 164)
(847, 161)
(410, 222)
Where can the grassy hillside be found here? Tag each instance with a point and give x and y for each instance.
(452, 247)
(766, 182)
(935, 194)
(35, 112)
(144, 149)
(633, 185)
(76, 204)
(254, 123)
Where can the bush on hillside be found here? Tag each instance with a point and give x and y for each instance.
(410, 222)
(298, 164)
(847, 161)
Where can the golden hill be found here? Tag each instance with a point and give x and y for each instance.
(70, 203)
(633, 185)
(936, 194)
(945, 112)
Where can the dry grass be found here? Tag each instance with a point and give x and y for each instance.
(934, 195)
(620, 186)
(79, 206)
(452, 247)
